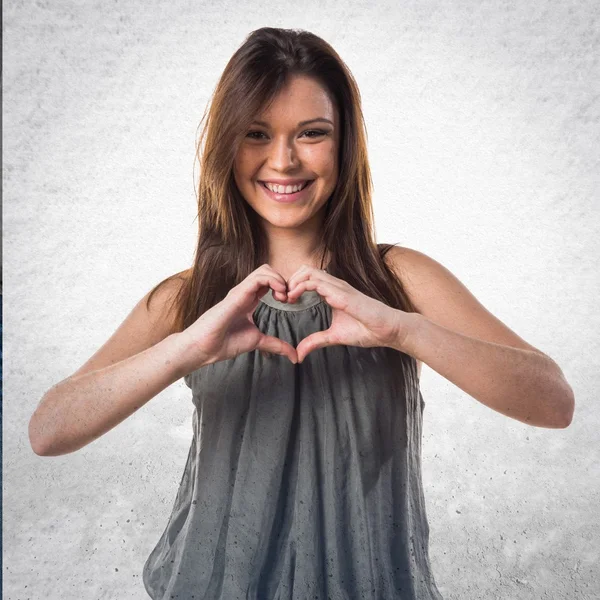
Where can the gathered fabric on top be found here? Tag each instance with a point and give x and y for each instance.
(302, 481)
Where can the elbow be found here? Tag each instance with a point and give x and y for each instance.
(43, 446)
(568, 408)
(35, 440)
(40, 438)
(46, 438)
(49, 445)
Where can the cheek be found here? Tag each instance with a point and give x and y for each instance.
(328, 166)
(322, 160)
(242, 164)
(326, 158)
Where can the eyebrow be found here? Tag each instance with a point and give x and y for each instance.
(301, 124)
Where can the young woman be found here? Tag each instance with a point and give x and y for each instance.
(302, 341)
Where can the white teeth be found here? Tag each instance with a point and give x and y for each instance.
(289, 189)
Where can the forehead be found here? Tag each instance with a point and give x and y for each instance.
(302, 98)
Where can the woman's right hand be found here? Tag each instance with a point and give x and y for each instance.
(228, 329)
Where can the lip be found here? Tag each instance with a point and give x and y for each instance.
(286, 181)
(286, 198)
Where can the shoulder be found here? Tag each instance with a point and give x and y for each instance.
(432, 287)
(162, 300)
(169, 287)
(418, 272)
(426, 281)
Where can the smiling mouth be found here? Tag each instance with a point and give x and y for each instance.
(306, 184)
(282, 197)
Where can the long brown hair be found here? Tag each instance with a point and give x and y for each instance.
(231, 242)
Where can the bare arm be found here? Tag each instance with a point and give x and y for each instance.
(143, 357)
(460, 339)
(525, 385)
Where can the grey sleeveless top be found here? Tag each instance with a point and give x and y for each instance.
(302, 481)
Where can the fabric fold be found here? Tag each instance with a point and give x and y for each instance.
(302, 480)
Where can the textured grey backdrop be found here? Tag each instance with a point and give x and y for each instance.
(483, 121)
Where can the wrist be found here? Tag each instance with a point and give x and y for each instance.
(408, 326)
(182, 354)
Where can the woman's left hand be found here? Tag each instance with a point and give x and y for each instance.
(357, 319)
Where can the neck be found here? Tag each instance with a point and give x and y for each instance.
(290, 248)
(288, 251)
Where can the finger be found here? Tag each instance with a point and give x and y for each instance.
(337, 293)
(278, 294)
(302, 273)
(295, 289)
(296, 276)
(274, 345)
(328, 281)
(315, 283)
(300, 287)
(262, 282)
(314, 341)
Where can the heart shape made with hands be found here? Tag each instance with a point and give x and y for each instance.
(357, 319)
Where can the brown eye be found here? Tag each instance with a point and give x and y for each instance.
(318, 133)
(310, 133)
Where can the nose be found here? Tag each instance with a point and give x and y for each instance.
(282, 154)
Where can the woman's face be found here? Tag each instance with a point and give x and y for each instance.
(282, 147)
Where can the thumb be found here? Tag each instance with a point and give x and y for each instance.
(314, 341)
(274, 345)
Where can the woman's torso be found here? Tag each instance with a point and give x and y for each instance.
(302, 481)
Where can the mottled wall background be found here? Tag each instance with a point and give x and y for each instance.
(483, 121)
